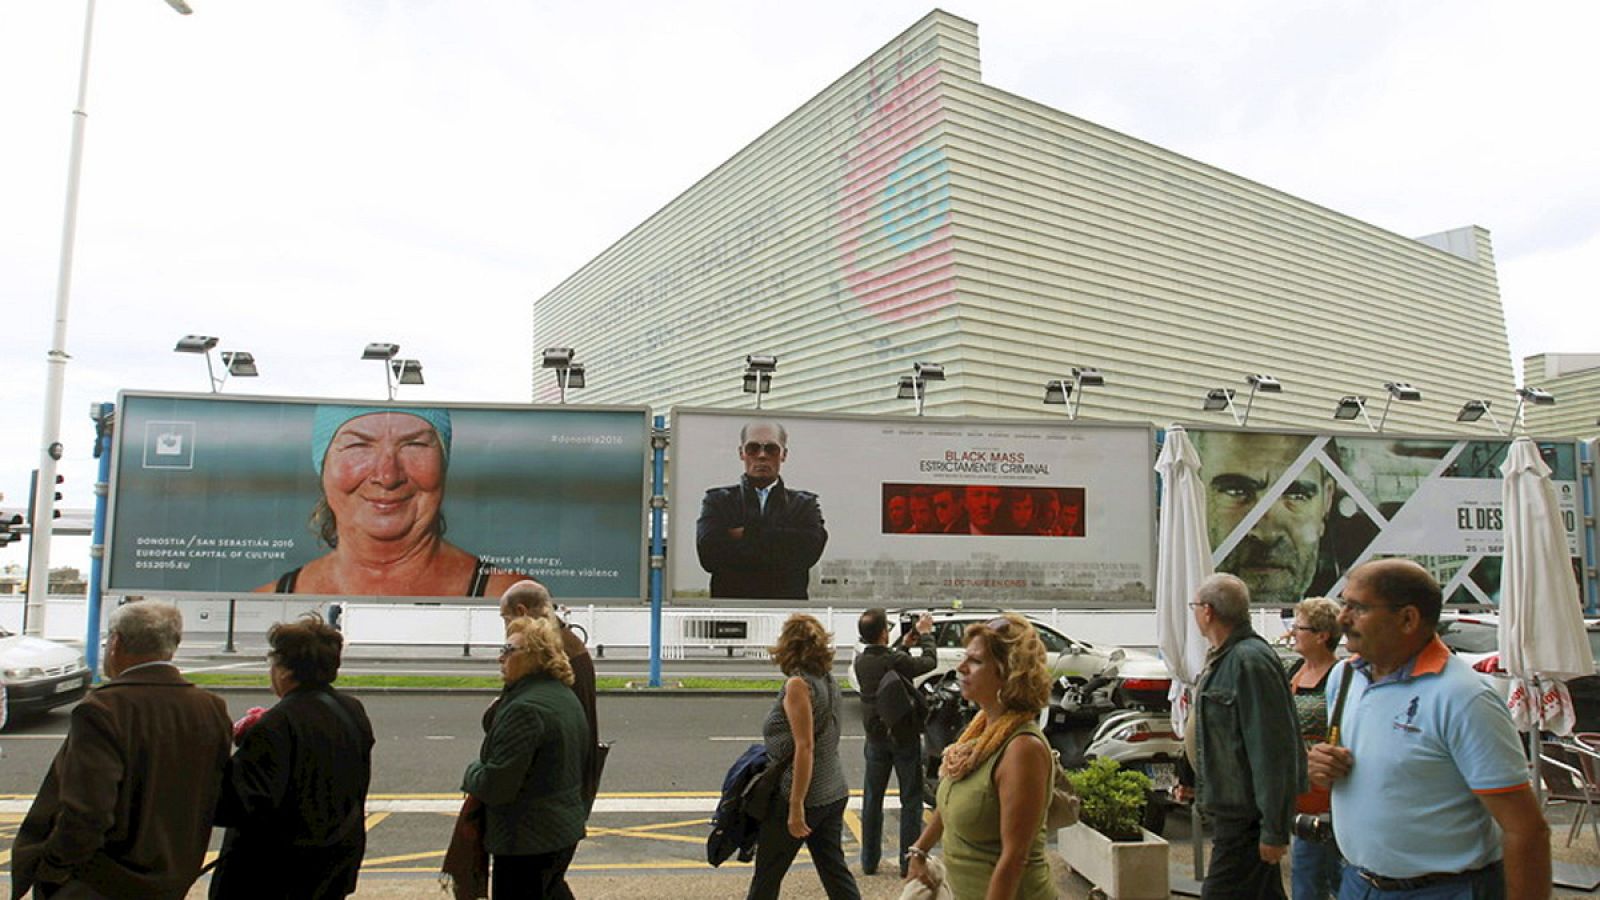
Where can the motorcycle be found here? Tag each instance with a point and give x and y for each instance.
(1088, 720)
(948, 715)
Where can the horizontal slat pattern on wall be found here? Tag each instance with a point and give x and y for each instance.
(911, 212)
(1577, 408)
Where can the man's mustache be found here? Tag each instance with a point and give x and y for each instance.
(1253, 553)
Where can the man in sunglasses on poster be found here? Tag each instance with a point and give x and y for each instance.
(760, 538)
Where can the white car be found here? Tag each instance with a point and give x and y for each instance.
(40, 675)
(1144, 677)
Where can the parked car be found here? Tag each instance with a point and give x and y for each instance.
(1476, 639)
(40, 675)
(1143, 677)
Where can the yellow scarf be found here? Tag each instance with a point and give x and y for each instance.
(979, 742)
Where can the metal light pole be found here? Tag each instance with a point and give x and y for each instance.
(56, 359)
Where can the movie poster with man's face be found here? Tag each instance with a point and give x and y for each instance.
(1291, 514)
(915, 511)
(215, 495)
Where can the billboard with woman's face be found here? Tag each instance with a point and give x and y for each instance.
(228, 495)
(895, 511)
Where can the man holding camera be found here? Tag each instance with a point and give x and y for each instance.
(1248, 758)
(893, 729)
(1427, 762)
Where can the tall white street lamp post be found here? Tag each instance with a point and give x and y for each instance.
(56, 359)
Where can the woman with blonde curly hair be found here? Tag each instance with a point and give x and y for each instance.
(529, 771)
(802, 734)
(994, 783)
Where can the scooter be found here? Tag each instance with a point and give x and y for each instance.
(948, 715)
(1084, 722)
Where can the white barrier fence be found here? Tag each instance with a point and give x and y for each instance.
(733, 631)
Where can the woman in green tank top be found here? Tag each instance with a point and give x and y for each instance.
(994, 784)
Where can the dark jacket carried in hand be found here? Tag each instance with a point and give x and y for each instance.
(294, 800)
(732, 829)
(780, 545)
(126, 806)
(529, 771)
(583, 687)
(1251, 761)
(872, 663)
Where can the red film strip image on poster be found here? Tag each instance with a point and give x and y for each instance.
(983, 509)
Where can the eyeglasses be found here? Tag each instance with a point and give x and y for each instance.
(1361, 609)
(997, 624)
(508, 648)
(756, 449)
(1197, 604)
(1301, 628)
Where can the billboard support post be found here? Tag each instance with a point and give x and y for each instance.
(228, 647)
(104, 415)
(658, 559)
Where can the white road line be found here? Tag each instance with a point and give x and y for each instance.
(224, 668)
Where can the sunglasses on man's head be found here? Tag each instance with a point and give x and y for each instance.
(755, 448)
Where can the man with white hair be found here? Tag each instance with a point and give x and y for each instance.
(530, 598)
(126, 808)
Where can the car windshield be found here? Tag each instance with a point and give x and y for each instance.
(1594, 646)
(1465, 636)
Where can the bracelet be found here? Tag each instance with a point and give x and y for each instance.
(918, 852)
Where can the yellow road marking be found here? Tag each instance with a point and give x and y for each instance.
(375, 818)
(627, 832)
(405, 857)
(853, 822)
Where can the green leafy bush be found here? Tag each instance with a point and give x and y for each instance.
(1113, 798)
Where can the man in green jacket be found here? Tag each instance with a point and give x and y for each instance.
(1248, 758)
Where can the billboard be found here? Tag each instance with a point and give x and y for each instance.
(910, 511)
(214, 494)
(1292, 513)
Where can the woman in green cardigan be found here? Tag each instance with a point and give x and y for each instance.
(529, 772)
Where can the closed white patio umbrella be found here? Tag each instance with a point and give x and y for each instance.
(1542, 637)
(1183, 560)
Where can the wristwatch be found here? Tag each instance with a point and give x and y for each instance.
(918, 852)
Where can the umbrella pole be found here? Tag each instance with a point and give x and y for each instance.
(1533, 768)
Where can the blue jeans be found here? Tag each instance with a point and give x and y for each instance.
(906, 760)
(1315, 870)
(1488, 883)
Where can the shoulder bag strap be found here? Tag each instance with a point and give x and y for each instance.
(1338, 704)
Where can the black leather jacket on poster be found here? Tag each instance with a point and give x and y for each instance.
(773, 559)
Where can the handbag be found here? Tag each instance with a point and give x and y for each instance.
(1064, 801)
(465, 872)
(916, 890)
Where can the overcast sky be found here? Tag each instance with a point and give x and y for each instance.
(300, 177)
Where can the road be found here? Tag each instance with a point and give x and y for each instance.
(666, 766)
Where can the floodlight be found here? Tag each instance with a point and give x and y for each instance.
(1351, 406)
(1527, 395)
(761, 362)
(195, 343)
(240, 364)
(406, 371)
(1398, 390)
(928, 371)
(915, 385)
(1266, 384)
(380, 351)
(1472, 410)
(568, 373)
(233, 362)
(908, 388)
(1087, 377)
(1536, 396)
(1057, 391)
(1218, 399)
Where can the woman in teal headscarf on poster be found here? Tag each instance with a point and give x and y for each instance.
(383, 477)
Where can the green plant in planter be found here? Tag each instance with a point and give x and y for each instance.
(1113, 798)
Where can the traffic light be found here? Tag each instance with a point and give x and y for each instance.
(33, 498)
(6, 524)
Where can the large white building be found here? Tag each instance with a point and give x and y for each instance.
(912, 212)
(1573, 379)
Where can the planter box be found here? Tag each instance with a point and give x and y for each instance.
(1136, 870)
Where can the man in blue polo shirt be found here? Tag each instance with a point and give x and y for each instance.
(1430, 784)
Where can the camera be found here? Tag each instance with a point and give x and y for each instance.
(908, 621)
(1317, 827)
